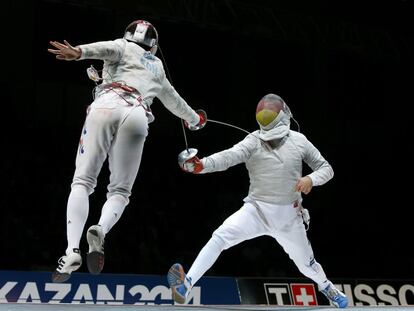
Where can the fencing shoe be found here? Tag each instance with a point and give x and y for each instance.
(95, 257)
(66, 265)
(337, 298)
(179, 283)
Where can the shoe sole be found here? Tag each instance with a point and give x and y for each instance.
(95, 260)
(175, 278)
(58, 277)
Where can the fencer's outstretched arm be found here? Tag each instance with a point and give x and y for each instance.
(176, 104)
(237, 154)
(103, 50)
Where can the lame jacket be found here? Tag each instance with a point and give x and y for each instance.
(128, 62)
(273, 172)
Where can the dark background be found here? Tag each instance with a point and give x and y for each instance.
(343, 67)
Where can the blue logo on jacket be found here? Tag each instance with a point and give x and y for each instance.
(148, 61)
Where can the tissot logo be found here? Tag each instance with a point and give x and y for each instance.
(293, 294)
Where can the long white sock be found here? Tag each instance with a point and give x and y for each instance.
(76, 215)
(205, 259)
(112, 211)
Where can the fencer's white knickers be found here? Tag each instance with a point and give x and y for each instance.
(115, 129)
(254, 219)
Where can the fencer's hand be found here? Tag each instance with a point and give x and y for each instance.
(192, 165)
(304, 185)
(64, 51)
(203, 120)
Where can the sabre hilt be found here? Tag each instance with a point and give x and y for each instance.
(203, 120)
(186, 155)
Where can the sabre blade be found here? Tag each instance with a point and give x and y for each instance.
(228, 124)
(185, 135)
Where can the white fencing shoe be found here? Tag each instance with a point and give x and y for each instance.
(66, 265)
(95, 257)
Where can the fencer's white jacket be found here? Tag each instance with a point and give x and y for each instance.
(273, 172)
(127, 62)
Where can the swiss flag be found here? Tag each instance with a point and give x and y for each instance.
(303, 294)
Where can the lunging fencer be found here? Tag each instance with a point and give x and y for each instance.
(116, 127)
(273, 156)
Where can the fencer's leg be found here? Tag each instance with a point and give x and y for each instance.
(76, 215)
(125, 154)
(243, 225)
(95, 141)
(206, 258)
(181, 283)
(111, 212)
(296, 244)
(124, 159)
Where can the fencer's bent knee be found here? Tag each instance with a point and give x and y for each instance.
(119, 197)
(219, 237)
(81, 189)
(84, 183)
(119, 192)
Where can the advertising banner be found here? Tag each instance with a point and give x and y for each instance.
(303, 292)
(36, 287)
(130, 289)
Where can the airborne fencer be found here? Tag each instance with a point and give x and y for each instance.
(274, 157)
(116, 126)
